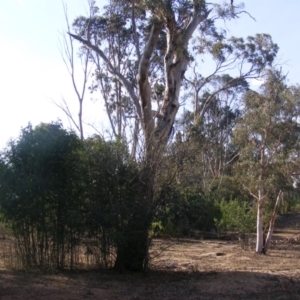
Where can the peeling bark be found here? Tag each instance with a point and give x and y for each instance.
(272, 221)
(259, 229)
(144, 85)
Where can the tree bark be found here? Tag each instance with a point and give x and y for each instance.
(132, 250)
(272, 222)
(259, 228)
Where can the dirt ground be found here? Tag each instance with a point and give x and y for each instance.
(180, 269)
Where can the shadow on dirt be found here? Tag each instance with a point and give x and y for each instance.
(153, 285)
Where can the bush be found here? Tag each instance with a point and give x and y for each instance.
(40, 191)
(235, 216)
(185, 211)
(60, 195)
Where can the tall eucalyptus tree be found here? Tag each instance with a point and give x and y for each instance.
(268, 138)
(145, 47)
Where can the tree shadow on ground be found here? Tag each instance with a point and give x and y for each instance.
(168, 284)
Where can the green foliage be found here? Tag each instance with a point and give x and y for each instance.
(268, 138)
(295, 207)
(188, 210)
(290, 203)
(229, 187)
(40, 191)
(110, 188)
(58, 193)
(235, 216)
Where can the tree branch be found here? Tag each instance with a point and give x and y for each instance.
(143, 81)
(113, 71)
(195, 21)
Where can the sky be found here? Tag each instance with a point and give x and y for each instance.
(33, 75)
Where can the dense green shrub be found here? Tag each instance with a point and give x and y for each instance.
(235, 216)
(185, 212)
(62, 196)
(40, 194)
(110, 190)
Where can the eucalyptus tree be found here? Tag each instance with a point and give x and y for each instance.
(153, 39)
(210, 136)
(268, 139)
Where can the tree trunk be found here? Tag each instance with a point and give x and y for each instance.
(132, 255)
(272, 222)
(259, 228)
(135, 138)
(80, 118)
(132, 249)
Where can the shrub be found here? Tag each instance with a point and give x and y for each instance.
(235, 216)
(186, 211)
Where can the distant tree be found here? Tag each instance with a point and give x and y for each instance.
(267, 136)
(209, 141)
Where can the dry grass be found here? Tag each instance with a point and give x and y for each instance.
(186, 269)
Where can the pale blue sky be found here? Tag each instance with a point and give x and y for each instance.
(32, 71)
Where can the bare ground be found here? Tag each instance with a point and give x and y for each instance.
(186, 269)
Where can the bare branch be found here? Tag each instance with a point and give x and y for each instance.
(65, 108)
(67, 53)
(113, 71)
(136, 37)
